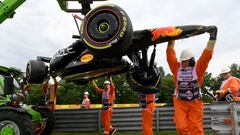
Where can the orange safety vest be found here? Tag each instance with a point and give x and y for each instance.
(108, 97)
(84, 103)
(188, 87)
(145, 99)
(232, 84)
(201, 64)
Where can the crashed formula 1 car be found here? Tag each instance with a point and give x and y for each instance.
(106, 35)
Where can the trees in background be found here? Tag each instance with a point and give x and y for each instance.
(70, 93)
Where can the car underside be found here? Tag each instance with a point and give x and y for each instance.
(105, 36)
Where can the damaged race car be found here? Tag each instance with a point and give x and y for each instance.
(105, 36)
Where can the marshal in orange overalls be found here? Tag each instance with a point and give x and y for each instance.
(232, 84)
(188, 115)
(86, 103)
(147, 103)
(108, 97)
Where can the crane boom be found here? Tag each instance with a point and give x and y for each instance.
(8, 7)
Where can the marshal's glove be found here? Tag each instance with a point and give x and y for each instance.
(220, 93)
(212, 30)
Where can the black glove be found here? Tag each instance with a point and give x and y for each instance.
(212, 30)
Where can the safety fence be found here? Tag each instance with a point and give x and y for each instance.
(221, 118)
(77, 106)
(225, 118)
(124, 119)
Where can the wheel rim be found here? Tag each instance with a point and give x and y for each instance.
(10, 124)
(102, 26)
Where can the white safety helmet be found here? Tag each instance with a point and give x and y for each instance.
(225, 70)
(186, 54)
(86, 93)
(106, 82)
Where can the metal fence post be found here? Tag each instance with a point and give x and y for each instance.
(157, 119)
(234, 119)
(99, 120)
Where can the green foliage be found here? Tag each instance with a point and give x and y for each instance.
(70, 93)
(123, 93)
(16, 73)
(35, 94)
(167, 91)
(208, 84)
(235, 70)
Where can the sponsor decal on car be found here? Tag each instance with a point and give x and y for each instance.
(86, 58)
(165, 32)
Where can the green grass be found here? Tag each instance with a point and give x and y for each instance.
(124, 133)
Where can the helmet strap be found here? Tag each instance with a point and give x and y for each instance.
(192, 62)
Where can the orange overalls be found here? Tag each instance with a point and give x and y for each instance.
(86, 103)
(188, 115)
(49, 91)
(147, 103)
(108, 97)
(232, 84)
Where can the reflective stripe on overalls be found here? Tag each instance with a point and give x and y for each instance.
(105, 100)
(84, 102)
(188, 86)
(143, 100)
(231, 93)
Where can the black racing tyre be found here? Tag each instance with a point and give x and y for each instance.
(36, 71)
(21, 123)
(107, 31)
(142, 84)
(50, 120)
